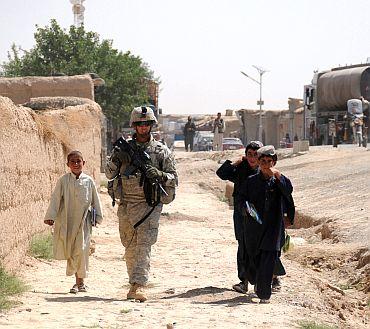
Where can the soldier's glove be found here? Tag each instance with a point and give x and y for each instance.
(119, 155)
(154, 173)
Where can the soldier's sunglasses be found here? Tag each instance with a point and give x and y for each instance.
(143, 123)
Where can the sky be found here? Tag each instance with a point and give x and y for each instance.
(197, 48)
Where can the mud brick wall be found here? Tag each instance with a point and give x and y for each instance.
(21, 90)
(274, 124)
(33, 149)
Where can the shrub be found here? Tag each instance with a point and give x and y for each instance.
(42, 246)
(9, 286)
(314, 325)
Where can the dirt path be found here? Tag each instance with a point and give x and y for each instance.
(193, 269)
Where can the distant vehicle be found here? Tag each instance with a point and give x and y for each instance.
(326, 100)
(231, 143)
(284, 144)
(178, 144)
(203, 141)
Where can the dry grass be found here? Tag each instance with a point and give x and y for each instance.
(9, 286)
(314, 325)
(42, 246)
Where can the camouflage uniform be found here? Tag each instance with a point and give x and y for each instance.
(133, 207)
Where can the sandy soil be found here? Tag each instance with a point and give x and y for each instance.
(194, 260)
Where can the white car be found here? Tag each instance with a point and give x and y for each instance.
(230, 143)
(203, 141)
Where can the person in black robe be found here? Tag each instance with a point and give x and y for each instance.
(264, 231)
(238, 172)
(189, 132)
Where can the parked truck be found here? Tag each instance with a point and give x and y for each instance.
(325, 101)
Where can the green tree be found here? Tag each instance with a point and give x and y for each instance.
(77, 51)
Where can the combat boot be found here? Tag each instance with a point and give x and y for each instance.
(132, 292)
(140, 293)
(137, 292)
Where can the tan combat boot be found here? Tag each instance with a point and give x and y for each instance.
(140, 293)
(132, 292)
(137, 292)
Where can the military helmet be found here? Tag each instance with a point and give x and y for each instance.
(141, 114)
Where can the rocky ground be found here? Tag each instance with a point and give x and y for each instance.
(194, 263)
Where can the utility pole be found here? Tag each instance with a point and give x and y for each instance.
(260, 102)
(78, 12)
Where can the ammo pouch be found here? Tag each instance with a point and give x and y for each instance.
(115, 188)
(171, 191)
(154, 194)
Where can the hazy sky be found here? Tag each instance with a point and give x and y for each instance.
(198, 47)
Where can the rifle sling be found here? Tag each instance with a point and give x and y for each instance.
(144, 218)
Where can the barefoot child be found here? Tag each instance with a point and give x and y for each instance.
(70, 210)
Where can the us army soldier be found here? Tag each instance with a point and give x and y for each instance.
(133, 206)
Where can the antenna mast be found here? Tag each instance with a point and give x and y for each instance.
(78, 12)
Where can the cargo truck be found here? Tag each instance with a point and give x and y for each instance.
(325, 103)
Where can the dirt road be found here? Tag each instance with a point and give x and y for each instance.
(194, 260)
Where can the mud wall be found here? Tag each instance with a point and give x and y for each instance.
(33, 149)
(274, 125)
(21, 90)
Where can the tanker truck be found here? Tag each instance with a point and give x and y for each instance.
(325, 99)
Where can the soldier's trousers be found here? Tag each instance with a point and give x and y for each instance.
(138, 243)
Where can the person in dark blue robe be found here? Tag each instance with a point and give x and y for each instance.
(264, 236)
(238, 172)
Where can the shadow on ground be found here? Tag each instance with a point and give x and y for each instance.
(230, 302)
(211, 295)
(81, 299)
(199, 292)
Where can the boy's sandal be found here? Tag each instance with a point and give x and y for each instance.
(264, 301)
(82, 287)
(74, 289)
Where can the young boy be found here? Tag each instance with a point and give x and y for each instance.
(266, 190)
(70, 210)
(238, 172)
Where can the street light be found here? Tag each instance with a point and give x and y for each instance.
(260, 102)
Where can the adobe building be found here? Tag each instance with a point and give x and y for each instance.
(55, 92)
(276, 124)
(21, 89)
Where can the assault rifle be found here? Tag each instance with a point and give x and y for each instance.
(140, 160)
